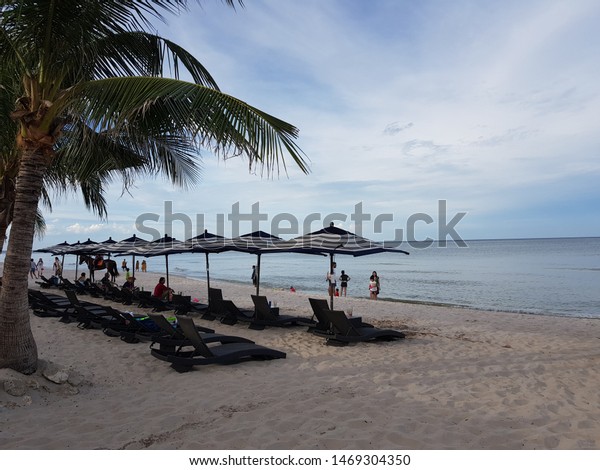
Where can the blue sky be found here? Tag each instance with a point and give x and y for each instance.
(490, 106)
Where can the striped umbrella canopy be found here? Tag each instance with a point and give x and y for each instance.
(163, 246)
(58, 249)
(127, 245)
(208, 243)
(80, 248)
(257, 243)
(335, 241)
(105, 247)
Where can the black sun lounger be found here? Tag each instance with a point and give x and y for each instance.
(229, 353)
(171, 338)
(324, 326)
(345, 332)
(266, 316)
(226, 310)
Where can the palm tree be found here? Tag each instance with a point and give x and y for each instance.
(90, 78)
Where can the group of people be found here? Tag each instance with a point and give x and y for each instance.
(143, 264)
(36, 269)
(161, 290)
(374, 284)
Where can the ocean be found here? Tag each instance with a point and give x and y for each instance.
(558, 276)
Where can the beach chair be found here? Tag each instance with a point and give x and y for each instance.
(147, 300)
(49, 305)
(171, 339)
(344, 332)
(323, 326)
(226, 310)
(267, 316)
(230, 353)
(47, 283)
(183, 305)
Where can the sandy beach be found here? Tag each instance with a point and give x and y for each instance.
(461, 379)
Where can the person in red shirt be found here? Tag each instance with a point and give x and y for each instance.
(162, 291)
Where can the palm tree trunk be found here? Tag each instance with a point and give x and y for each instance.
(18, 350)
(7, 200)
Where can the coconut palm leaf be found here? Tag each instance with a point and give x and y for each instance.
(196, 113)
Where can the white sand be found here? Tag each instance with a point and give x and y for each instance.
(461, 379)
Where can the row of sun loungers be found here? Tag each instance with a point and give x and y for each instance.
(181, 343)
(178, 341)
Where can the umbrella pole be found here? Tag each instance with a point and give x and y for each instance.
(330, 288)
(167, 264)
(76, 265)
(257, 273)
(207, 271)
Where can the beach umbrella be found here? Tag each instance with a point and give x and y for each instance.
(58, 249)
(335, 241)
(208, 243)
(164, 246)
(80, 248)
(128, 245)
(105, 247)
(256, 243)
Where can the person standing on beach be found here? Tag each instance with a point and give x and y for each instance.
(374, 286)
(124, 265)
(144, 266)
(40, 267)
(254, 278)
(56, 267)
(344, 278)
(330, 277)
(137, 266)
(33, 270)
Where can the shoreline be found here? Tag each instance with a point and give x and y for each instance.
(387, 299)
(461, 379)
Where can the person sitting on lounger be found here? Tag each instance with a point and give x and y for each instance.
(105, 282)
(130, 284)
(162, 291)
(83, 281)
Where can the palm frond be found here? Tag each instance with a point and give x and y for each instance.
(226, 125)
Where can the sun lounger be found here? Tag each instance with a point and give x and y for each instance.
(226, 310)
(323, 326)
(267, 316)
(345, 332)
(183, 305)
(45, 304)
(229, 353)
(48, 283)
(171, 338)
(147, 300)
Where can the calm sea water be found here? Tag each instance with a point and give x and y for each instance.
(558, 276)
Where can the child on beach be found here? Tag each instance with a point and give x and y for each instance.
(40, 267)
(373, 290)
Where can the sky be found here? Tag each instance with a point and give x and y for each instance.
(434, 119)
